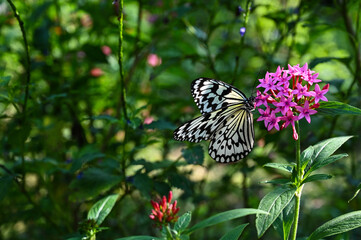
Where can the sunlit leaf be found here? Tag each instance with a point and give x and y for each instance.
(225, 216)
(100, 210)
(273, 203)
(338, 108)
(341, 224)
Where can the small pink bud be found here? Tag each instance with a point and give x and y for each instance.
(106, 50)
(96, 72)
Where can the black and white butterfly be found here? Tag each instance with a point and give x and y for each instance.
(226, 120)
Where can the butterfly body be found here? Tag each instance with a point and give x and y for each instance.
(226, 120)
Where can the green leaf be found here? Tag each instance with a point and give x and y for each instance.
(274, 202)
(277, 181)
(317, 61)
(338, 108)
(326, 148)
(139, 238)
(183, 222)
(6, 182)
(341, 224)
(288, 216)
(194, 155)
(143, 183)
(160, 125)
(102, 208)
(225, 216)
(306, 156)
(281, 166)
(327, 161)
(357, 191)
(283, 223)
(316, 177)
(235, 233)
(92, 182)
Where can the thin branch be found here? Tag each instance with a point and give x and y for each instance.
(27, 83)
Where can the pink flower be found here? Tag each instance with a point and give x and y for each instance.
(106, 50)
(265, 114)
(273, 122)
(320, 94)
(164, 211)
(305, 112)
(285, 104)
(153, 60)
(288, 96)
(301, 91)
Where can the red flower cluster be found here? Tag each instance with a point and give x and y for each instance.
(164, 211)
(287, 96)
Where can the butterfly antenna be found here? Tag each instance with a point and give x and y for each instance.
(254, 83)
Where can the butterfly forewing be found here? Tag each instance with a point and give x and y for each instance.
(226, 120)
(211, 95)
(202, 128)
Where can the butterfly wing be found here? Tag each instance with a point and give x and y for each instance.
(211, 95)
(202, 128)
(234, 138)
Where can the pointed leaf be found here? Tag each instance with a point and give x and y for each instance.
(234, 233)
(183, 222)
(341, 224)
(357, 191)
(225, 216)
(327, 161)
(306, 156)
(283, 223)
(326, 148)
(337, 108)
(317, 177)
(102, 208)
(274, 202)
(281, 166)
(277, 181)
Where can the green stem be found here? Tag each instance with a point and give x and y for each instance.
(298, 182)
(235, 71)
(120, 62)
(122, 100)
(169, 233)
(27, 83)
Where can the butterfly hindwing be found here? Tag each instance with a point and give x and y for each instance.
(211, 95)
(234, 139)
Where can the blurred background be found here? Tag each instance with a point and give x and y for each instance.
(65, 141)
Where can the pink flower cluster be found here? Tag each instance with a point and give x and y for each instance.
(164, 211)
(288, 97)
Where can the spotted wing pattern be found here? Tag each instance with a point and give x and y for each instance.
(234, 139)
(226, 120)
(211, 95)
(202, 128)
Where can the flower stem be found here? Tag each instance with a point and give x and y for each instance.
(298, 182)
(169, 233)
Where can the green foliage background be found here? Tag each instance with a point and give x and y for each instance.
(71, 144)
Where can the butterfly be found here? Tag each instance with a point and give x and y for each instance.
(226, 120)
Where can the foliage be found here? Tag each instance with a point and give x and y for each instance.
(86, 140)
